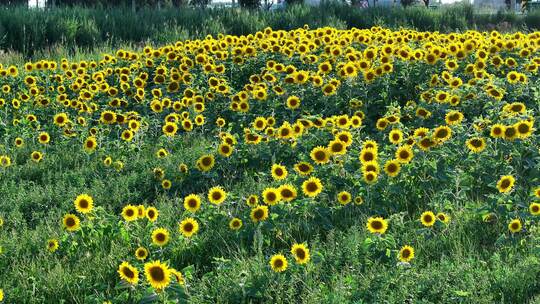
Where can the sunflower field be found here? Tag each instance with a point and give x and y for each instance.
(312, 165)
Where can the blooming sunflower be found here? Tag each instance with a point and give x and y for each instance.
(71, 222)
(443, 217)
(368, 154)
(141, 253)
(84, 203)
(192, 203)
(129, 213)
(216, 195)
(278, 263)
(235, 224)
(534, 208)
(428, 218)
(279, 172)
(476, 144)
(271, 196)
(52, 245)
(287, 192)
(515, 226)
(206, 162)
(259, 214)
(128, 273)
(320, 155)
(188, 227)
(300, 253)
(312, 187)
(377, 225)
(406, 254)
(392, 167)
(177, 275)
(303, 168)
(152, 214)
(506, 183)
(157, 274)
(90, 144)
(344, 197)
(160, 237)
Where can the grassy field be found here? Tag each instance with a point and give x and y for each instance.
(31, 32)
(425, 146)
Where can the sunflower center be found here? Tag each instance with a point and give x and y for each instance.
(376, 225)
(157, 273)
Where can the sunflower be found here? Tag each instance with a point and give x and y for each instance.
(157, 274)
(192, 203)
(1, 295)
(426, 143)
(476, 144)
(160, 237)
(225, 149)
(206, 162)
(71, 222)
(428, 218)
(536, 192)
(36, 156)
(235, 224)
(128, 273)
(166, 184)
(60, 119)
(303, 168)
(497, 131)
(152, 214)
(368, 154)
(84, 203)
(129, 213)
(127, 135)
(90, 144)
(188, 227)
(524, 128)
(141, 253)
(443, 217)
(371, 166)
(300, 253)
(506, 183)
(169, 129)
(320, 155)
(293, 102)
(52, 245)
(395, 136)
(337, 147)
(19, 142)
(312, 187)
(108, 117)
(259, 214)
(453, 118)
(252, 200)
(44, 138)
(216, 195)
(279, 172)
(271, 196)
(510, 133)
(141, 211)
(370, 177)
(161, 153)
(377, 225)
(177, 275)
(344, 197)
(515, 226)
(406, 254)
(287, 192)
(278, 262)
(370, 144)
(442, 133)
(392, 167)
(534, 208)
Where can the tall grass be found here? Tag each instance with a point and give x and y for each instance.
(28, 31)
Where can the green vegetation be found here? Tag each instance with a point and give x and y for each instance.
(29, 31)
